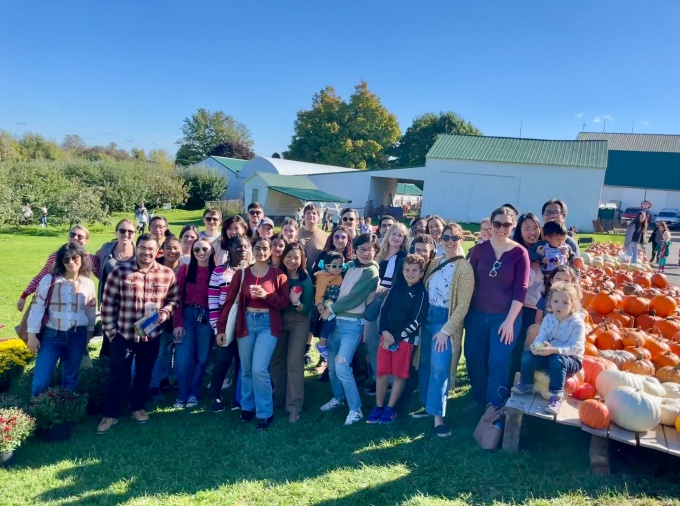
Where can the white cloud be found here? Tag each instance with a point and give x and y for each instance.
(603, 117)
(579, 115)
(644, 123)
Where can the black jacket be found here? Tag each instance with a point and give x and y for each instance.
(404, 311)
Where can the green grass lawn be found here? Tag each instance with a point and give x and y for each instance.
(198, 457)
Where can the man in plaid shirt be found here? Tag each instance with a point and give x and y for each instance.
(128, 288)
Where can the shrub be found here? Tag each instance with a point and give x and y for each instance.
(15, 427)
(14, 355)
(9, 401)
(204, 184)
(57, 405)
(92, 382)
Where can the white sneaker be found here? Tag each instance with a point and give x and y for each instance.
(192, 402)
(178, 404)
(332, 404)
(353, 416)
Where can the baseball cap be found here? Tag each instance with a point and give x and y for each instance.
(266, 221)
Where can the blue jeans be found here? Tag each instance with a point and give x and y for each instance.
(487, 358)
(435, 366)
(163, 366)
(557, 366)
(256, 351)
(191, 355)
(67, 345)
(632, 251)
(342, 344)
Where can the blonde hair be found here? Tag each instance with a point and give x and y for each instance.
(570, 290)
(385, 246)
(456, 229)
(666, 235)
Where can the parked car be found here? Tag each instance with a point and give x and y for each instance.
(631, 212)
(670, 217)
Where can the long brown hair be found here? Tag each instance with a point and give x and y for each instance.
(296, 246)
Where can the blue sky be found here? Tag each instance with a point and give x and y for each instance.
(130, 71)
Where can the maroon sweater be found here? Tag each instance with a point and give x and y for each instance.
(274, 282)
(191, 294)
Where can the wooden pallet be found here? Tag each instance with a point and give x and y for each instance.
(662, 438)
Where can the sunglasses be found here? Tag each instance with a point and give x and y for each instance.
(75, 259)
(124, 231)
(198, 249)
(254, 213)
(447, 238)
(335, 266)
(494, 269)
(347, 218)
(498, 224)
(211, 218)
(73, 235)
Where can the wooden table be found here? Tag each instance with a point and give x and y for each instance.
(662, 438)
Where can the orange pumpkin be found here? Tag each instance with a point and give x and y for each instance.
(634, 305)
(663, 305)
(666, 359)
(644, 280)
(623, 277)
(584, 391)
(621, 319)
(668, 326)
(647, 321)
(587, 298)
(644, 352)
(675, 347)
(591, 350)
(659, 280)
(669, 374)
(594, 414)
(578, 263)
(657, 345)
(676, 337)
(633, 338)
(593, 366)
(609, 340)
(640, 366)
(604, 302)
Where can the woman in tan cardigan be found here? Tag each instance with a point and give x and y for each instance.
(449, 281)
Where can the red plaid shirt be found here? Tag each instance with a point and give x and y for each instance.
(126, 291)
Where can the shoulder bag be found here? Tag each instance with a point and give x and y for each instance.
(230, 329)
(22, 328)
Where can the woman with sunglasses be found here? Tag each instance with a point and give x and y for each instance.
(192, 331)
(287, 364)
(187, 236)
(359, 283)
(78, 235)
(435, 227)
(122, 249)
(264, 294)
(68, 296)
(450, 282)
(492, 325)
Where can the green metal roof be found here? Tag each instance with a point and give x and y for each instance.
(233, 164)
(309, 195)
(526, 151)
(658, 143)
(640, 169)
(409, 189)
(299, 182)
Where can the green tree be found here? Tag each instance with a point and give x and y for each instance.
(10, 149)
(204, 184)
(276, 155)
(422, 134)
(36, 147)
(160, 157)
(73, 143)
(233, 149)
(204, 131)
(359, 133)
(138, 154)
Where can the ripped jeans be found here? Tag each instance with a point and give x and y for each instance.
(342, 344)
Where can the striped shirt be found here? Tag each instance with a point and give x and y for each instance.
(128, 289)
(73, 304)
(218, 290)
(33, 285)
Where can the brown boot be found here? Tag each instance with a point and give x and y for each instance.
(106, 424)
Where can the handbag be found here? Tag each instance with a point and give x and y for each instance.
(22, 328)
(230, 329)
(487, 435)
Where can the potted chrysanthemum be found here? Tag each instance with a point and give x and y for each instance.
(15, 427)
(56, 410)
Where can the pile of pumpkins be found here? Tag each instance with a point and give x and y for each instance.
(631, 368)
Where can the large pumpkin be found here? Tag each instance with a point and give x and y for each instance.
(647, 321)
(618, 357)
(663, 305)
(668, 374)
(594, 414)
(672, 390)
(640, 366)
(633, 337)
(657, 345)
(632, 409)
(670, 411)
(634, 305)
(593, 366)
(668, 326)
(611, 379)
(603, 302)
(642, 279)
(659, 280)
(666, 359)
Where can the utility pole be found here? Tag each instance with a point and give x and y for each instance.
(604, 124)
(520, 129)
(584, 126)
(632, 129)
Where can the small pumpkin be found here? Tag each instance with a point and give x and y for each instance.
(643, 279)
(633, 337)
(652, 386)
(647, 321)
(672, 390)
(632, 409)
(608, 337)
(591, 350)
(663, 305)
(578, 263)
(668, 326)
(571, 384)
(611, 379)
(604, 302)
(666, 359)
(659, 280)
(668, 374)
(640, 366)
(594, 414)
(593, 366)
(640, 351)
(670, 411)
(584, 391)
(621, 319)
(618, 357)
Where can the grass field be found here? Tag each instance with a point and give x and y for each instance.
(198, 457)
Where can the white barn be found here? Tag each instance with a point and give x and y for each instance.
(229, 167)
(466, 177)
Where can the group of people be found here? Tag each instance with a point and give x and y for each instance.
(393, 305)
(659, 238)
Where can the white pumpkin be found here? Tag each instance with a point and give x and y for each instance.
(670, 411)
(672, 390)
(632, 409)
(652, 386)
(610, 379)
(587, 258)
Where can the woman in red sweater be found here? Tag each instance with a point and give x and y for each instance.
(192, 332)
(264, 293)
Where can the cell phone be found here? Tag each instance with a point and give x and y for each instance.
(393, 347)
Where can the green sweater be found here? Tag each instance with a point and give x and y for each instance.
(360, 281)
(307, 299)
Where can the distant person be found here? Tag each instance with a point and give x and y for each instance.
(27, 214)
(366, 226)
(325, 220)
(132, 291)
(142, 217)
(656, 237)
(212, 218)
(663, 250)
(335, 218)
(43, 216)
(255, 214)
(635, 236)
(384, 224)
(298, 216)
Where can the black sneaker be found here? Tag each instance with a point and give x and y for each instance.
(324, 377)
(264, 423)
(370, 389)
(165, 384)
(217, 406)
(247, 416)
(442, 431)
(235, 405)
(421, 413)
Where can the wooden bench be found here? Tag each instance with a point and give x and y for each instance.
(662, 438)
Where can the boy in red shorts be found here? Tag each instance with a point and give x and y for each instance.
(404, 310)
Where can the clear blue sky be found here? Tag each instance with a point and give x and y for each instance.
(130, 71)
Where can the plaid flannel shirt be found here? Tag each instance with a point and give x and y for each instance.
(126, 291)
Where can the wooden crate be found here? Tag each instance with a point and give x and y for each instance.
(663, 438)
